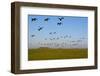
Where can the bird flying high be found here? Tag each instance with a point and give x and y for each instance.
(40, 28)
(46, 19)
(59, 23)
(34, 19)
(61, 18)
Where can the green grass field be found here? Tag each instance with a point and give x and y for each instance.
(50, 54)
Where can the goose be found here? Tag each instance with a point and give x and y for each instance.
(46, 19)
(40, 28)
(34, 19)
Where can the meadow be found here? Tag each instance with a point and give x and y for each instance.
(50, 54)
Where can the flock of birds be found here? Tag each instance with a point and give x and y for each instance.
(67, 37)
(66, 44)
(47, 19)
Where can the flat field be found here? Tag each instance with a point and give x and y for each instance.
(50, 54)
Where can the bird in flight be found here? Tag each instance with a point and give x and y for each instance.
(34, 19)
(54, 32)
(33, 35)
(50, 33)
(46, 19)
(61, 18)
(59, 23)
(53, 38)
(40, 28)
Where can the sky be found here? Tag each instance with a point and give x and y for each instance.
(71, 33)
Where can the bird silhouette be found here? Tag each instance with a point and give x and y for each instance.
(54, 33)
(46, 19)
(33, 35)
(40, 28)
(50, 33)
(61, 18)
(59, 23)
(34, 19)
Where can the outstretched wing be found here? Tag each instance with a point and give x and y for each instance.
(40, 28)
(34, 19)
(46, 19)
